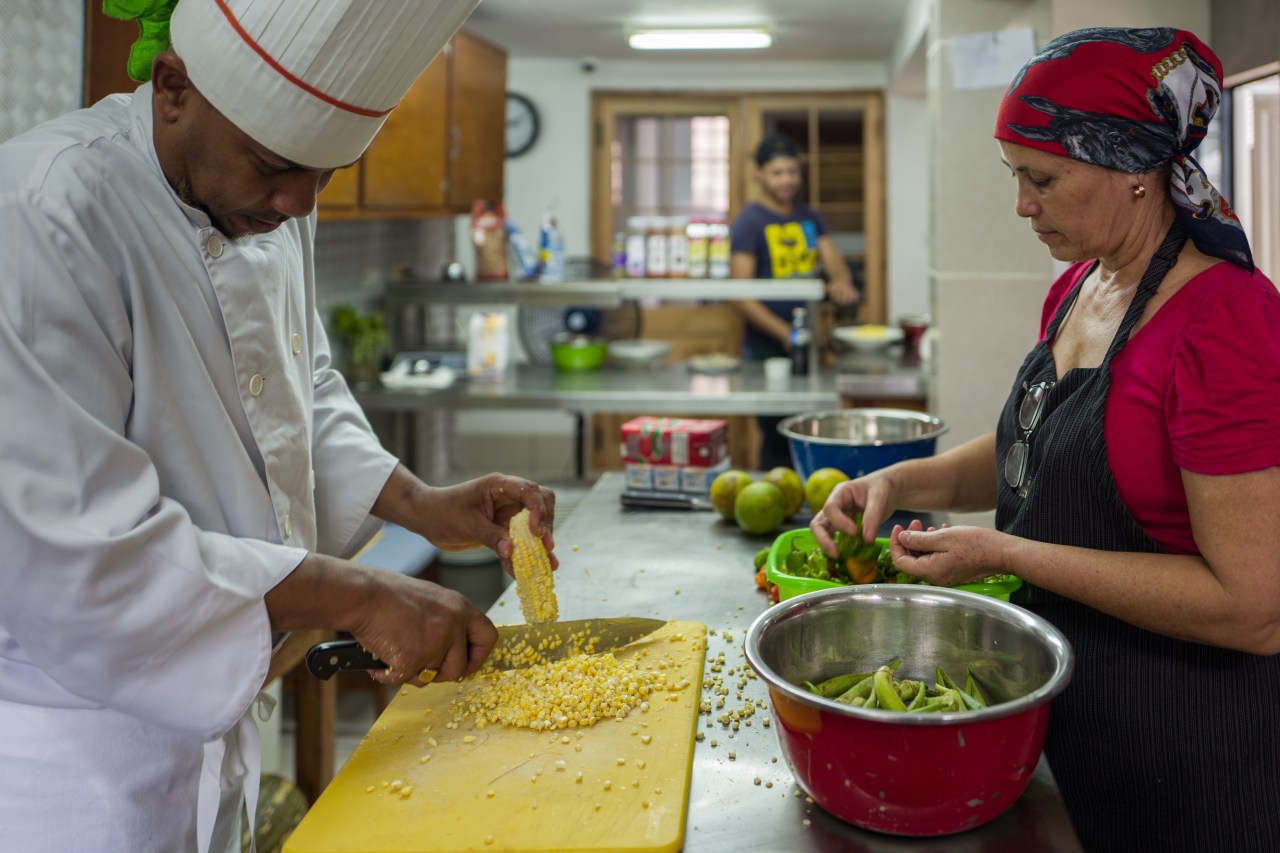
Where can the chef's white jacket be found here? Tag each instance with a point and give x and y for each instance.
(173, 442)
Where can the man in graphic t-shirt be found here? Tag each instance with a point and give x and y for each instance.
(781, 237)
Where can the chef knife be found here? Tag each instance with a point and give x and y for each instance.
(549, 640)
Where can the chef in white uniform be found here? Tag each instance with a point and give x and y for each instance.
(182, 472)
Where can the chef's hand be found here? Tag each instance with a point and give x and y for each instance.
(468, 515)
(874, 494)
(479, 511)
(420, 630)
(947, 556)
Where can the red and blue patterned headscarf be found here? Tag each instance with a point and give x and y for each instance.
(1132, 100)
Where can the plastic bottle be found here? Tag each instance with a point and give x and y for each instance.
(655, 241)
(799, 342)
(551, 250)
(636, 227)
(697, 234)
(718, 249)
(618, 257)
(677, 248)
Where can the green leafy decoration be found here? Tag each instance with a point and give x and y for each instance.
(153, 25)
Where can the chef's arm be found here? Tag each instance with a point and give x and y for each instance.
(467, 515)
(742, 266)
(410, 624)
(840, 285)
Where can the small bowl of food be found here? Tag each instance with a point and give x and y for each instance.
(867, 337)
(638, 353)
(909, 710)
(577, 352)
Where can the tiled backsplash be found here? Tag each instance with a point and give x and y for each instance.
(40, 44)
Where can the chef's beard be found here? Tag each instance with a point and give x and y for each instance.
(182, 186)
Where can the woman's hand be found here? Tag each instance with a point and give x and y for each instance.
(875, 495)
(947, 556)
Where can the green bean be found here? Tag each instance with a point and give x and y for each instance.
(861, 690)
(887, 696)
(833, 687)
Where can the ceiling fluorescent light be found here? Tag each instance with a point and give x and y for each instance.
(688, 39)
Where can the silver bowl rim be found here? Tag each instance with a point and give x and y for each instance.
(940, 427)
(1064, 655)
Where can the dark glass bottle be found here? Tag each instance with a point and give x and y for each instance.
(799, 342)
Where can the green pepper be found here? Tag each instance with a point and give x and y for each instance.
(762, 557)
(796, 564)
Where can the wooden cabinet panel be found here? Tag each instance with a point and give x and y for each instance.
(478, 121)
(404, 167)
(343, 192)
(106, 54)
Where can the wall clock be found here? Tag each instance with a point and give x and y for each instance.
(522, 124)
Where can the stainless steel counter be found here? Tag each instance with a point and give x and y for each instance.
(676, 564)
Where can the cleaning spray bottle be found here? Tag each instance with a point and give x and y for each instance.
(551, 249)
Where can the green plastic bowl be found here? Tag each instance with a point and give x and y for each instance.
(790, 586)
(578, 352)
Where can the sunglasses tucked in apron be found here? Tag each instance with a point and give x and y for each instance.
(1157, 744)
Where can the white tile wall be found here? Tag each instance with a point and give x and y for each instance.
(41, 43)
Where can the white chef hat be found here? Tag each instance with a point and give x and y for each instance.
(312, 80)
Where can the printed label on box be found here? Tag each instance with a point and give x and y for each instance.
(666, 478)
(639, 475)
(697, 481)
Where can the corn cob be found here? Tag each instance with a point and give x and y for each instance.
(532, 569)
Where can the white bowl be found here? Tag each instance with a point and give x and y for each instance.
(867, 337)
(638, 352)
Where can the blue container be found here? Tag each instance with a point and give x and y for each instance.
(857, 441)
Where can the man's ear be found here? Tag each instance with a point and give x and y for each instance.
(171, 88)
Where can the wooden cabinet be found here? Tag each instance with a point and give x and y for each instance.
(441, 147)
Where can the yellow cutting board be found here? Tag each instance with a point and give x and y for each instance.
(508, 790)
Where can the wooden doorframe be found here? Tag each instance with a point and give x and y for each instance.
(608, 105)
(745, 111)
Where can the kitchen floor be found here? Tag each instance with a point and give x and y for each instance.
(482, 583)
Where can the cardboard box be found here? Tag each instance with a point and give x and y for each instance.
(683, 442)
(697, 481)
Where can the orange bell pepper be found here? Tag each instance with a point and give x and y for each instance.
(861, 571)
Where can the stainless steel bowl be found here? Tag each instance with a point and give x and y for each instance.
(858, 441)
(901, 773)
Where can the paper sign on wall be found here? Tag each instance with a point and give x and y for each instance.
(990, 60)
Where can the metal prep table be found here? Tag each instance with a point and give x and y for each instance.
(675, 564)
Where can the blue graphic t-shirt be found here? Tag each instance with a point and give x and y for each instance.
(784, 247)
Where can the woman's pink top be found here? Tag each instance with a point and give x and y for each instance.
(1196, 388)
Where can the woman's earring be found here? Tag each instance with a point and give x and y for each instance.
(1139, 191)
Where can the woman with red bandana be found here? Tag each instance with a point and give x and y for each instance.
(1135, 468)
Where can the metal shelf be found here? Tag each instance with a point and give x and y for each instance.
(604, 294)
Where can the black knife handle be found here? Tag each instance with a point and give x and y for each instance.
(324, 660)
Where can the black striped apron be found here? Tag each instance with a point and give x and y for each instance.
(1157, 744)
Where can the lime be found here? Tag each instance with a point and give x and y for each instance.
(760, 507)
(792, 489)
(724, 491)
(820, 485)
